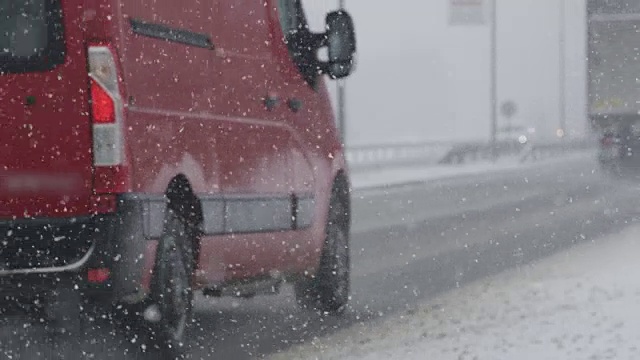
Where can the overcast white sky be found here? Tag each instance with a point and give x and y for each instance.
(418, 78)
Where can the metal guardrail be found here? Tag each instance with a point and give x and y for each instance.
(541, 151)
(374, 156)
(443, 153)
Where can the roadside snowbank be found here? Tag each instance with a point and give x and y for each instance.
(375, 178)
(583, 303)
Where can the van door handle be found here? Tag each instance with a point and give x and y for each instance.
(295, 104)
(271, 102)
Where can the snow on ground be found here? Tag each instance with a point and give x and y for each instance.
(374, 178)
(583, 303)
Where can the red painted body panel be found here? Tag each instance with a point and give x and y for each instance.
(45, 147)
(192, 111)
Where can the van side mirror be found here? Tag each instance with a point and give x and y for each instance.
(340, 40)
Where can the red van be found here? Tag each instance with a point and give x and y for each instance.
(153, 148)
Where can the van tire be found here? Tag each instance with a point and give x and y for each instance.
(171, 289)
(328, 290)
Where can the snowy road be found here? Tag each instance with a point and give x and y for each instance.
(581, 303)
(411, 244)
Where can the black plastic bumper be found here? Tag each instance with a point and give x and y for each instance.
(36, 253)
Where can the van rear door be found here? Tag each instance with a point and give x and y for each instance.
(45, 133)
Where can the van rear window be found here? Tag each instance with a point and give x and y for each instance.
(31, 35)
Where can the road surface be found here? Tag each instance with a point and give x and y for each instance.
(410, 243)
(579, 303)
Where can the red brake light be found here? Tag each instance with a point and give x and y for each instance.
(102, 105)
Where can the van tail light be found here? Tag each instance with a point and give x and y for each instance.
(107, 113)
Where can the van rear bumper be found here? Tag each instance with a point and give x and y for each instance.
(36, 253)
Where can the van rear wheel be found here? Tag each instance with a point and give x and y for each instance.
(172, 294)
(328, 290)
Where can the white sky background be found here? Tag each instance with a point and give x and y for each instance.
(420, 79)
